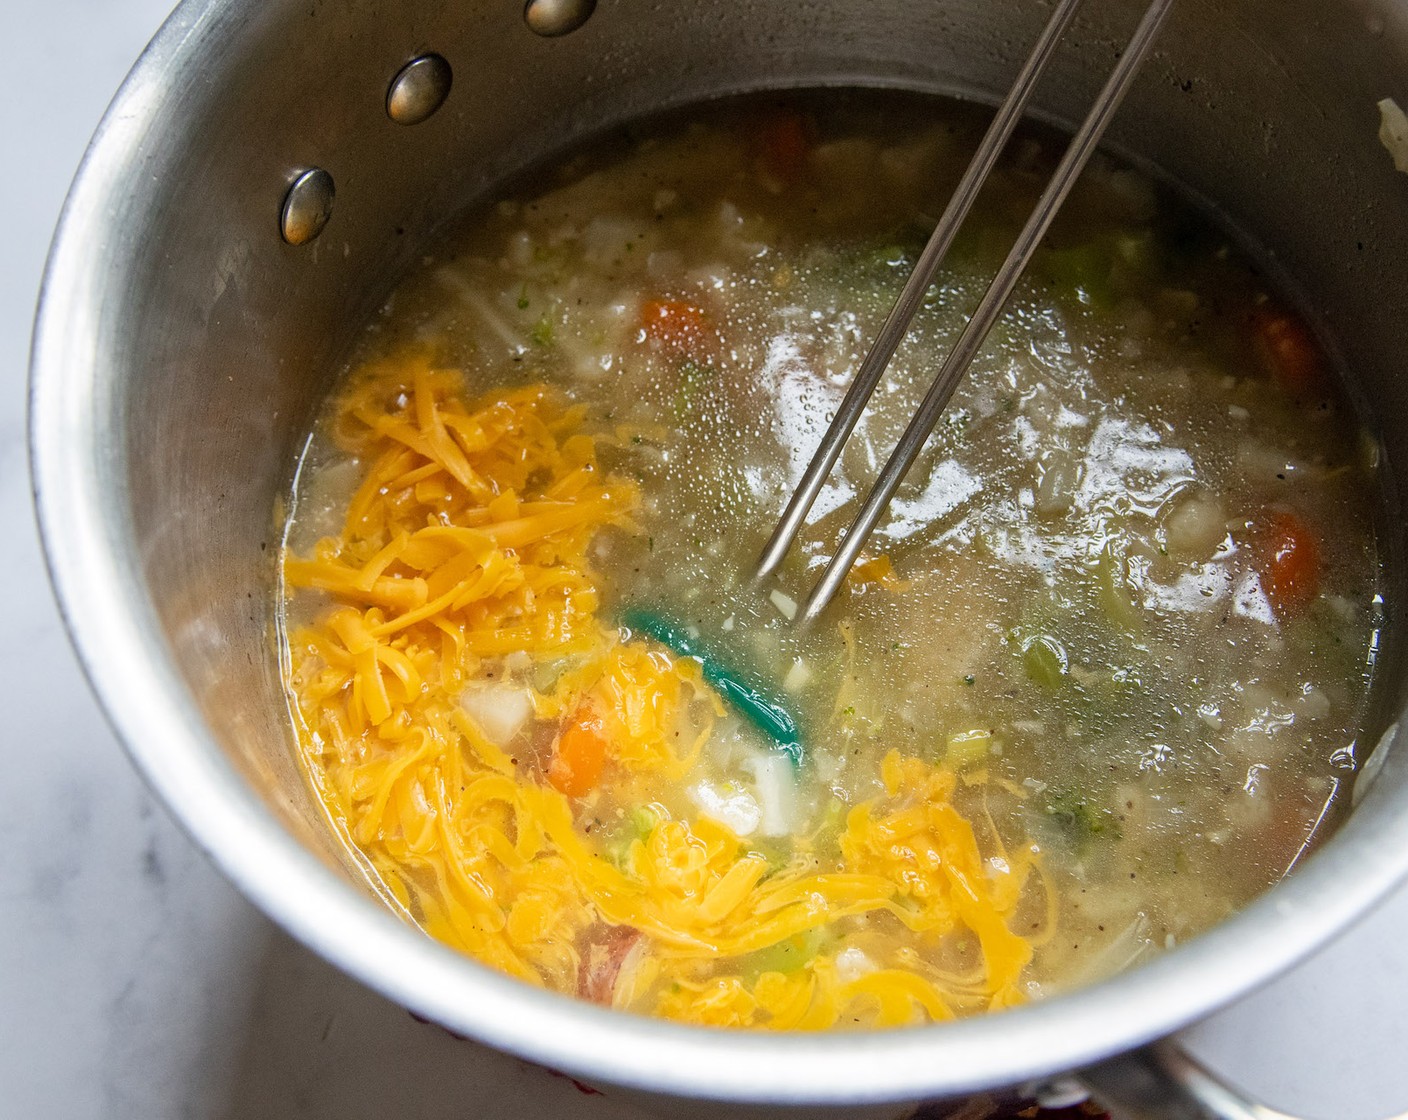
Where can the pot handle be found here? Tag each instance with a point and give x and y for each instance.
(1162, 1082)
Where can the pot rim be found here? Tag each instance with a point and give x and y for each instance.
(118, 639)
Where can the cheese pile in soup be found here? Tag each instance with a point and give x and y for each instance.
(1095, 684)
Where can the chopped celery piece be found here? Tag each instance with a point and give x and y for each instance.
(542, 332)
(643, 819)
(1116, 592)
(833, 821)
(1078, 822)
(968, 750)
(759, 709)
(1045, 661)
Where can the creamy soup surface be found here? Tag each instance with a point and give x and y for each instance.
(1097, 681)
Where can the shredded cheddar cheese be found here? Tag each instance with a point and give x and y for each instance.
(466, 545)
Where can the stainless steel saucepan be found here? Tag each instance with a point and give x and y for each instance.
(262, 179)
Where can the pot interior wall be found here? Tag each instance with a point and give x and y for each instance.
(220, 339)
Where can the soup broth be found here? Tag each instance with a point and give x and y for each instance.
(1095, 683)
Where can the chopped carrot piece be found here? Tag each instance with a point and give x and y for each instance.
(678, 326)
(783, 145)
(1288, 558)
(580, 754)
(1289, 351)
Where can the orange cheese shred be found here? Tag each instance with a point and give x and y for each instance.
(465, 548)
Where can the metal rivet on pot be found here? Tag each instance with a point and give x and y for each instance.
(557, 17)
(418, 90)
(307, 206)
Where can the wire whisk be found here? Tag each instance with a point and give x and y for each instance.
(988, 311)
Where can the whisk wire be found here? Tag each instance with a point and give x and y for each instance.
(896, 324)
(975, 332)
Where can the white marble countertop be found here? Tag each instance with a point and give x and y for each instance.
(135, 984)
